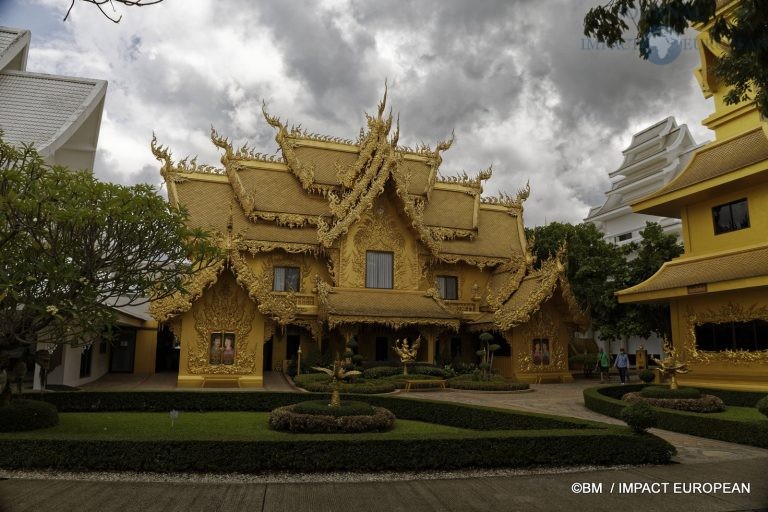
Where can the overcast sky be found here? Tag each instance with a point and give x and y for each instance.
(516, 80)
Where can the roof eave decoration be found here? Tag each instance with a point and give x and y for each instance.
(248, 201)
(515, 270)
(551, 274)
(475, 183)
(180, 302)
(171, 171)
(304, 172)
(514, 205)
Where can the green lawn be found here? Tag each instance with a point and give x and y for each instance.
(224, 426)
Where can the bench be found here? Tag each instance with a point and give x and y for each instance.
(424, 382)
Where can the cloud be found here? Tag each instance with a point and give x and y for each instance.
(514, 79)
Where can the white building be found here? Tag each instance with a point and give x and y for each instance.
(61, 115)
(654, 157)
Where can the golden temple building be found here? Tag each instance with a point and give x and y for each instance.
(335, 239)
(718, 288)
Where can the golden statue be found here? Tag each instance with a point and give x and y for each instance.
(406, 352)
(669, 365)
(337, 373)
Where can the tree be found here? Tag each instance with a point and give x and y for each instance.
(597, 269)
(101, 3)
(72, 249)
(745, 35)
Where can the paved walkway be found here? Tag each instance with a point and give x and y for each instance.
(701, 462)
(567, 400)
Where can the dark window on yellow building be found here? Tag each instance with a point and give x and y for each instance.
(286, 279)
(455, 347)
(378, 269)
(752, 335)
(448, 287)
(730, 216)
(382, 348)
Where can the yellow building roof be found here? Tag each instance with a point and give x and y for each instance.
(715, 272)
(395, 308)
(714, 160)
(320, 186)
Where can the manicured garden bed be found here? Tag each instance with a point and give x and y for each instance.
(739, 423)
(455, 436)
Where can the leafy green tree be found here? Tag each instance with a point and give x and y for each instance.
(745, 35)
(598, 269)
(73, 248)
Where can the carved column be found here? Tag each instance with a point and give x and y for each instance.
(430, 334)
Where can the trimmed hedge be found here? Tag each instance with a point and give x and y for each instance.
(333, 452)
(754, 433)
(665, 392)
(497, 384)
(503, 438)
(23, 414)
(321, 383)
(287, 419)
(762, 406)
(639, 416)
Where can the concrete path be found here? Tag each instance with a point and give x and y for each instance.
(648, 488)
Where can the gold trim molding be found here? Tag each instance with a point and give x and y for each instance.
(729, 312)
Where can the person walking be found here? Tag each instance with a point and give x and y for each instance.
(603, 366)
(622, 364)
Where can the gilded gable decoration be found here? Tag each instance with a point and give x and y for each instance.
(163, 309)
(225, 309)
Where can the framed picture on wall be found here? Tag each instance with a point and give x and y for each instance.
(228, 349)
(540, 351)
(216, 348)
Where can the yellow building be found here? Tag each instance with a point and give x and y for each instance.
(337, 238)
(718, 289)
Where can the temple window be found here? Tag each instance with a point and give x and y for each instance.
(716, 337)
(624, 236)
(379, 269)
(730, 216)
(286, 279)
(448, 287)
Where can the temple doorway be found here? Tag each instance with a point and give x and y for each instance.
(267, 364)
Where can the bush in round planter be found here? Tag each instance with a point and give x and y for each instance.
(639, 417)
(647, 375)
(347, 408)
(665, 392)
(762, 405)
(21, 414)
(287, 419)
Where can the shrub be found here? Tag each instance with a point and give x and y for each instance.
(321, 383)
(347, 408)
(378, 372)
(21, 414)
(647, 375)
(496, 383)
(762, 405)
(639, 416)
(287, 419)
(703, 404)
(434, 371)
(665, 392)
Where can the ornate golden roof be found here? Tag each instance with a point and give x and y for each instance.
(674, 277)
(394, 308)
(320, 186)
